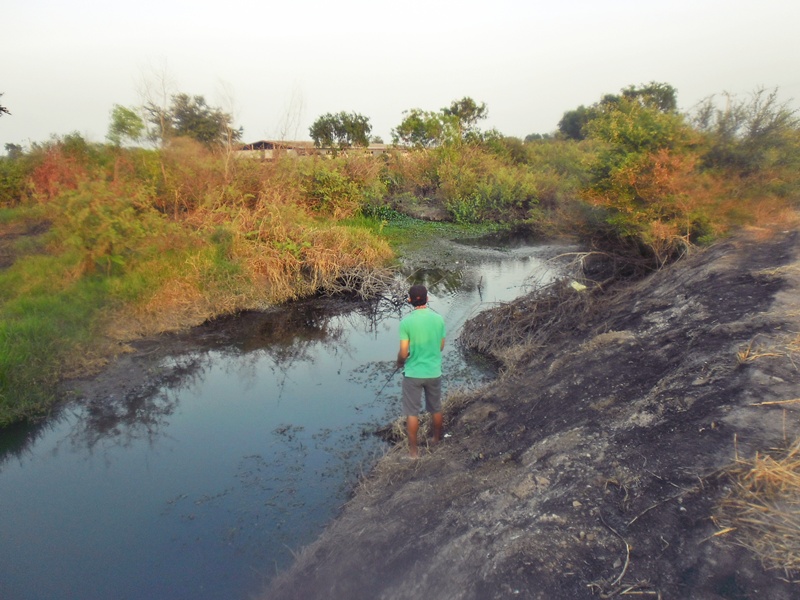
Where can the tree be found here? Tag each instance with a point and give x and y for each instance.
(643, 175)
(125, 125)
(535, 137)
(3, 109)
(421, 129)
(14, 151)
(659, 96)
(454, 123)
(191, 116)
(466, 113)
(572, 124)
(340, 130)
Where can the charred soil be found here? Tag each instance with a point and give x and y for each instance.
(595, 464)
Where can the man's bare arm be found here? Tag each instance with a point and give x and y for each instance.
(402, 354)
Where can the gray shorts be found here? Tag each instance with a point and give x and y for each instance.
(412, 395)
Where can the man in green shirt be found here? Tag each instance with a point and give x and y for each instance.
(422, 335)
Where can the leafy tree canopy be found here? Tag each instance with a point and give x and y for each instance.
(572, 124)
(454, 123)
(659, 96)
(421, 129)
(467, 113)
(125, 125)
(340, 130)
(13, 150)
(191, 116)
(535, 137)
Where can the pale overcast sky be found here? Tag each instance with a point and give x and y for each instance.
(277, 66)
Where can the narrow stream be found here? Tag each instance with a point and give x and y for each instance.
(203, 489)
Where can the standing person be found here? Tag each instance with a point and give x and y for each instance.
(422, 335)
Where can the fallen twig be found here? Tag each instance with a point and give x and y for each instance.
(627, 551)
(777, 402)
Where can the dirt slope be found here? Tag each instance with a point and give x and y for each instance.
(592, 469)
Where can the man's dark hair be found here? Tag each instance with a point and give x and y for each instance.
(418, 295)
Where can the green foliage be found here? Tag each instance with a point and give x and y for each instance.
(661, 96)
(511, 149)
(340, 187)
(103, 228)
(13, 151)
(421, 129)
(3, 109)
(340, 130)
(642, 176)
(466, 113)
(453, 124)
(749, 135)
(125, 125)
(572, 124)
(332, 192)
(628, 129)
(14, 174)
(192, 117)
(562, 170)
(535, 137)
(658, 96)
(475, 185)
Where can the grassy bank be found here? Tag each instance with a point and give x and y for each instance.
(100, 246)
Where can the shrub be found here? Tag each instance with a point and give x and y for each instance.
(749, 135)
(15, 173)
(643, 176)
(475, 185)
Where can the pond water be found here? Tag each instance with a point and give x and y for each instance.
(203, 488)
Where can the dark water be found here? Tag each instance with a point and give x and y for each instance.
(204, 488)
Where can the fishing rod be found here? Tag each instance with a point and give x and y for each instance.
(396, 369)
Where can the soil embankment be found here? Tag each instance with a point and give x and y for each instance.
(593, 467)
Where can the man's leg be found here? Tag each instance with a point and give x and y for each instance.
(412, 425)
(437, 426)
(433, 404)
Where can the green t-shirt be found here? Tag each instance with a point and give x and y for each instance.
(424, 329)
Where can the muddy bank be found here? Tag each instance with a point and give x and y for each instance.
(594, 466)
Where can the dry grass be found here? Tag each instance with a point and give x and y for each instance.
(752, 352)
(762, 512)
(781, 346)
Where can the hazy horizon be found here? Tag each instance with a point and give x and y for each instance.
(276, 67)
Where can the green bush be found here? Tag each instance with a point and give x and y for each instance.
(14, 175)
(750, 135)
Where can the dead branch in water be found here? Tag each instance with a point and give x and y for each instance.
(363, 281)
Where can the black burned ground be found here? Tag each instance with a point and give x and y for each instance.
(594, 466)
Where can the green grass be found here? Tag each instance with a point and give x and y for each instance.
(401, 231)
(42, 322)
